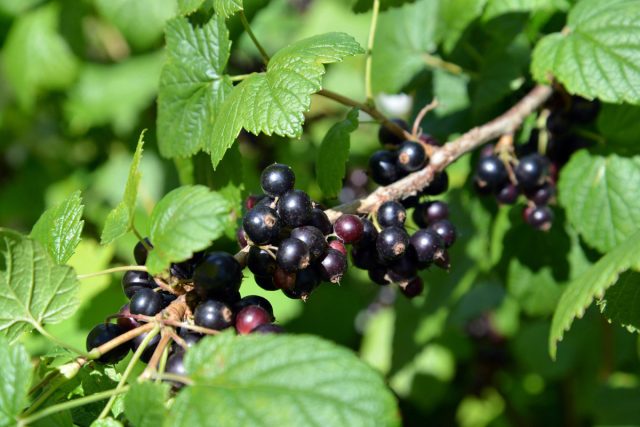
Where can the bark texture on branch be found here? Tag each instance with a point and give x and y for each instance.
(441, 157)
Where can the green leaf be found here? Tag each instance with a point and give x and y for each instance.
(227, 8)
(35, 57)
(366, 5)
(97, 97)
(120, 219)
(334, 153)
(403, 37)
(34, 290)
(186, 7)
(185, 221)
(274, 101)
(454, 16)
(280, 381)
(598, 53)
(593, 283)
(106, 422)
(620, 303)
(599, 196)
(502, 7)
(140, 21)
(192, 85)
(618, 125)
(59, 228)
(144, 404)
(537, 292)
(15, 379)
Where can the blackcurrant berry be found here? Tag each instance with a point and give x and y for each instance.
(320, 220)
(267, 201)
(190, 339)
(338, 246)
(313, 238)
(293, 255)
(333, 266)
(277, 179)
(539, 217)
(213, 314)
(402, 269)
(392, 243)
(364, 257)
(349, 228)
(305, 283)
(411, 156)
(254, 300)
(445, 230)
(378, 275)
(425, 244)
(133, 281)
(149, 349)
(219, 274)
(369, 233)
(266, 283)
(508, 194)
(284, 280)
(260, 262)
(184, 270)
(294, 208)
(250, 318)
(413, 288)
(140, 252)
(391, 214)
(543, 195)
(175, 366)
(384, 168)
(386, 136)
(146, 302)
(124, 319)
(491, 172)
(430, 212)
(558, 123)
(441, 259)
(532, 171)
(268, 328)
(439, 185)
(261, 225)
(252, 200)
(104, 333)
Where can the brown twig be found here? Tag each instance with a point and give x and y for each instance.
(415, 131)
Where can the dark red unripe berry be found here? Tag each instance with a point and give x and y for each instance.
(349, 228)
(284, 280)
(124, 319)
(338, 246)
(391, 214)
(411, 156)
(277, 179)
(250, 318)
(250, 300)
(293, 255)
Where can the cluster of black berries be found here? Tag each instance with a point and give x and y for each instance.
(391, 255)
(211, 283)
(288, 235)
(403, 157)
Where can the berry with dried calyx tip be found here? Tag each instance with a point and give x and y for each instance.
(261, 225)
(250, 300)
(338, 246)
(446, 230)
(391, 214)
(140, 252)
(411, 156)
(384, 168)
(321, 221)
(146, 302)
(133, 281)
(532, 171)
(313, 238)
(218, 275)
(441, 259)
(260, 262)
(508, 194)
(250, 318)
(491, 172)
(103, 333)
(349, 228)
(294, 208)
(439, 185)
(213, 314)
(293, 255)
(333, 266)
(539, 217)
(268, 328)
(424, 245)
(149, 349)
(305, 283)
(412, 288)
(386, 136)
(392, 243)
(277, 179)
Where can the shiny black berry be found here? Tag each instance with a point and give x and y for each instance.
(146, 302)
(539, 217)
(266, 283)
(531, 171)
(333, 266)
(261, 225)
(543, 195)
(411, 156)
(250, 318)
(387, 137)
(391, 214)
(213, 314)
(430, 212)
(219, 274)
(250, 300)
(313, 238)
(378, 275)
(294, 208)
(384, 168)
(277, 179)
(364, 257)
(403, 269)
(491, 172)
(260, 262)
(349, 228)
(305, 282)
(320, 220)
(392, 243)
(508, 194)
(439, 185)
(133, 281)
(104, 333)
(140, 252)
(446, 230)
(293, 255)
(175, 366)
(425, 244)
(146, 354)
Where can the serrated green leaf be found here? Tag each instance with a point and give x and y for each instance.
(598, 53)
(34, 290)
(186, 7)
(502, 7)
(274, 101)
(454, 16)
(120, 219)
(403, 37)
(365, 5)
(331, 164)
(192, 85)
(59, 228)
(96, 98)
(598, 194)
(106, 422)
(185, 221)
(227, 8)
(593, 283)
(35, 57)
(620, 303)
(15, 379)
(140, 21)
(280, 381)
(144, 404)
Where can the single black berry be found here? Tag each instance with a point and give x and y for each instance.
(364, 257)
(305, 282)
(430, 212)
(277, 179)
(313, 238)
(543, 194)
(402, 269)
(384, 168)
(219, 274)
(539, 217)
(266, 283)
(320, 220)
(294, 208)
(124, 319)
(333, 266)
(261, 225)
(508, 194)
(446, 230)
(392, 243)
(146, 354)
(284, 280)
(411, 156)
(349, 228)
(369, 233)
(439, 185)
(260, 262)
(140, 252)
(378, 275)
(254, 300)
(583, 111)
(386, 136)
(425, 244)
(441, 259)
(146, 302)
(491, 172)
(213, 314)
(413, 288)
(558, 123)
(104, 333)
(133, 281)
(391, 214)
(532, 171)
(250, 318)
(293, 255)
(175, 366)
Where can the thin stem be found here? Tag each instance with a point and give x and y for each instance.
(127, 372)
(240, 77)
(369, 60)
(112, 270)
(247, 28)
(96, 397)
(193, 328)
(423, 112)
(157, 354)
(172, 377)
(141, 239)
(439, 63)
(56, 340)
